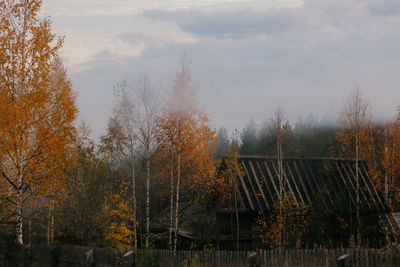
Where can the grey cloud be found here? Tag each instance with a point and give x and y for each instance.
(385, 7)
(231, 23)
(311, 17)
(249, 77)
(145, 38)
(308, 65)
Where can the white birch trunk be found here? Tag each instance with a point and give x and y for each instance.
(237, 218)
(52, 223)
(171, 201)
(357, 196)
(177, 203)
(134, 203)
(147, 199)
(19, 229)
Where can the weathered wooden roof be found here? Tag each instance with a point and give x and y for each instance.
(304, 179)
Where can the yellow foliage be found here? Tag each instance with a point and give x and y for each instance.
(119, 232)
(37, 106)
(183, 132)
(227, 179)
(285, 226)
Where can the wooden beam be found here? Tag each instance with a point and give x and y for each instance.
(345, 183)
(244, 187)
(287, 181)
(250, 178)
(353, 176)
(311, 162)
(300, 178)
(248, 157)
(294, 181)
(375, 193)
(336, 180)
(267, 186)
(306, 179)
(366, 184)
(272, 179)
(258, 183)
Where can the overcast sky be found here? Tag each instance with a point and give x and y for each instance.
(247, 56)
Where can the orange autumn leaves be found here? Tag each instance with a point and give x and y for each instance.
(187, 145)
(393, 158)
(37, 107)
(183, 131)
(377, 143)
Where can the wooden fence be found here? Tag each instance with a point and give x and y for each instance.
(73, 256)
(292, 258)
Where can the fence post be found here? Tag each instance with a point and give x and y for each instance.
(264, 261)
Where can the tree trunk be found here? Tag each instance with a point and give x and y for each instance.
(237, 218)
(134, 204)
(177, 203)
(147, 199)
(52, 223)
(171, 200)
(48, 229)
(358, 224)
(30, 230)
(20, 204)
(281, 184)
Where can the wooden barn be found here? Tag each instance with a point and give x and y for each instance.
(329, 183)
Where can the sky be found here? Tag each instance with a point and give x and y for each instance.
(247, 57)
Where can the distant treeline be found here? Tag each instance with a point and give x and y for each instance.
(304, 138)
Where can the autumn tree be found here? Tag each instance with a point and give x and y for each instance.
(286, 225)
(137, 109)
(79, 212)
(277, 126)
(353, 137)
(121, 139)
(188, 141)
(146, 113)
(37, 108)
(227, 184)
(96, 207)
(279, 129)
(392, 161)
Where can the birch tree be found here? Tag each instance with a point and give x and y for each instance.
(392, 163)
(354, 120)
(37, 108)
(137, 111)
(185, 135)
(124, 139)
(146, 113)
(227, 182)
(277, 129)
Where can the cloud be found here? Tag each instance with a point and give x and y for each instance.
(153, 38)
(248, 77)
(231, 23)
(385, 8)
(310, 17)
(246, 60)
